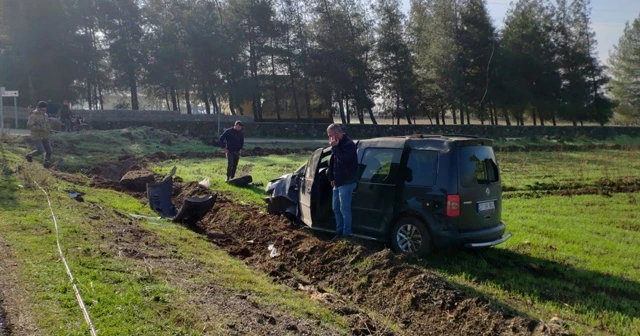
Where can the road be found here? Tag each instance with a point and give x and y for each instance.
(23, 132)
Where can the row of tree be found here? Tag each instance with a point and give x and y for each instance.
(303, 59)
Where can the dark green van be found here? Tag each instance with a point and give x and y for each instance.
(417, 192)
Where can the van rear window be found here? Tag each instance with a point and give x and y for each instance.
(477, 165)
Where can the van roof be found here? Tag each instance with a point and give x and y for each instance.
(415, 139)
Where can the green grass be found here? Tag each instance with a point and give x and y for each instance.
(575, 258)
(262, 169)
(124, 296)
(621, 140)
(523, 170)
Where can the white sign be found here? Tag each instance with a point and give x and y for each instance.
(11, 94)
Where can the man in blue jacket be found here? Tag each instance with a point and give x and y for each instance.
(232, 141)
(343, 171)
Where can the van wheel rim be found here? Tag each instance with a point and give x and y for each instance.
(409, 238)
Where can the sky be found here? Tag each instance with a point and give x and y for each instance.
(608, 18)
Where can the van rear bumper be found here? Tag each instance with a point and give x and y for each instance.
(489, 243)
(474, 239)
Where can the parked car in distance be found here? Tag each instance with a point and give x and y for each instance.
(416, 192)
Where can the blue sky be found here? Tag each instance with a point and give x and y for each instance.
(607, 16)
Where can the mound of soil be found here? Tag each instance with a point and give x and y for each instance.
(136, 180)
(375, 279)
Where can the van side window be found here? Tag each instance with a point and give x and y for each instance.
(422, 168)
(380, 165)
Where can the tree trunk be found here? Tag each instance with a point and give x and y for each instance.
(407, 114)
(134, 90)
(166, 99)
(95, 96)
(174, 98)
(466, 108)
(505, 113)
(462, 115)
(443, 114)
(346, 108)
(294, 90)
(341, 105)
(187, 100)
(373, 118)
(89, 96)
(207, 104)
(534, 117)
(453, 112)
(553, 119)
(275, 84)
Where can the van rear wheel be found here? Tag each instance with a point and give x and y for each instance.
(411, 236)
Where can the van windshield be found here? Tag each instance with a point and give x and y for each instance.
(477, 165)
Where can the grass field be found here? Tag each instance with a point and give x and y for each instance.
(570, 257)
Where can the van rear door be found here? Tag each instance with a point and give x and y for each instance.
(479, 186)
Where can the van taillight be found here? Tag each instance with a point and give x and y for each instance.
(453, 205)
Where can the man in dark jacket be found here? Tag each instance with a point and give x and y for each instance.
(232, 141)
(343, 171)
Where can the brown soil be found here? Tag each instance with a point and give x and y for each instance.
(604, 187)
(15, 312)
(368, 284)
(374, 279)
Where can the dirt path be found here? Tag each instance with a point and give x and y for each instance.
(15, 313)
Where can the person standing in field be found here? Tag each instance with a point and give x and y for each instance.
(232, 141)
(343, 171)
(65, 115)
(40, 128)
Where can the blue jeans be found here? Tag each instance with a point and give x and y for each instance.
(342, 208)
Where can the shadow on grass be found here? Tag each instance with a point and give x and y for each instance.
(8, 186)
(543, 280)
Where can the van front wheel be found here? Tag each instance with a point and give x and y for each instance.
(411, 236)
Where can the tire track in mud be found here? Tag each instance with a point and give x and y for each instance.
(604, 187)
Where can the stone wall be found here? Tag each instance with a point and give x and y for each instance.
(208, 129)
(206, 126)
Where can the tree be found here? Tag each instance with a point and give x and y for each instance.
(396, 64)
(121, 22)
(625, 70)
(37, 48)
(476, 39)
(531, 72)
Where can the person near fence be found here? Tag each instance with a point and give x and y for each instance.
(65, 115)
(40, 128)
(343, 171)
(232, 141)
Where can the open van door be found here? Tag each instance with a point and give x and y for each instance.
(307, 197)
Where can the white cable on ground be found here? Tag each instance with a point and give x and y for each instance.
(85, 313)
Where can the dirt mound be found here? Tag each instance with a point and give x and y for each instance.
(136, 180)
(412, 298)
(115, 170)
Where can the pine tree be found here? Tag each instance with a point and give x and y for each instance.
(530, 70)
(396, 64)
(625, 69)
(121, 22)
(476, 39)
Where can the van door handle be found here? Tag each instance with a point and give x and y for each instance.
(487, 217)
